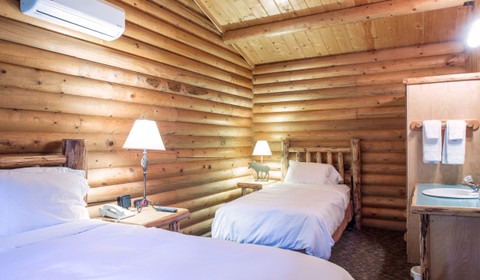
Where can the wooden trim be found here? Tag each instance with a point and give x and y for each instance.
(356, 182)
(355, 168)
(33, 160)
(284, 161)
(338, 17)
(75, 151)
(471, 124)
(209, 15)
(74, 155)
(425, 245)
(348, 217)
(442, 78)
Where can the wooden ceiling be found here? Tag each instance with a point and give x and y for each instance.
(266, 31)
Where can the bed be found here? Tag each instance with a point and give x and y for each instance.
(308, 211)
(46, 233)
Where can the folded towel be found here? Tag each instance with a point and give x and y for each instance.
(456, 131)
(432, 141)
(432, 129)
(454, 143)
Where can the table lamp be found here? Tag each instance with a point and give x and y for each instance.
(262, 149)
(144, 135)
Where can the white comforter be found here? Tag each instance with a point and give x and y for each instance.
(99, 250)
(289, 216)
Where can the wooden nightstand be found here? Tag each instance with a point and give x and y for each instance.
(150, 217)
(253, 185)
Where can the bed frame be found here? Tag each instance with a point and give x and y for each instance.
(74, 155)
(353, 178)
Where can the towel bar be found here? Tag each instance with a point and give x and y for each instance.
(471, 124)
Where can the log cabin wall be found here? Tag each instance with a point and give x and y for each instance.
(170, 66)
(329, 100)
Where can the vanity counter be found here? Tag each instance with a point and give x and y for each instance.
(424, 204)
(448, 234)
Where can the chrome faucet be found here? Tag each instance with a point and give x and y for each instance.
(468, 181)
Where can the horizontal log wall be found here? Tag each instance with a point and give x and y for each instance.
(170, 66)
(329, 100)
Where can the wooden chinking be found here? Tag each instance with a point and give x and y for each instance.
(333, 99)
(75, 86)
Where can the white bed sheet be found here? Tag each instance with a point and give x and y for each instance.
(101, 250)
(285, 215)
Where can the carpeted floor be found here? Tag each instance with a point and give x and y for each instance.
(372, 254)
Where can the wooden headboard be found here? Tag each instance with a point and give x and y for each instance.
(330, 153)
(74, 155)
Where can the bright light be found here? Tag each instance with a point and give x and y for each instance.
(473, 37)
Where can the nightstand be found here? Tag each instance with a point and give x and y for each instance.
(253, 185)
(150, 217)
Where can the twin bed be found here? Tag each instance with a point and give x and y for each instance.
(46, 233)
(307, 212)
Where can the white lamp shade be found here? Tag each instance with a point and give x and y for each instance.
(473, 37)
(262, 149)
(144, 135)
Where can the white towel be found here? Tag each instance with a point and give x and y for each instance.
(432, 141)
(454, 146)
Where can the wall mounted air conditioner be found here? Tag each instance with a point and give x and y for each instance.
(94, 17)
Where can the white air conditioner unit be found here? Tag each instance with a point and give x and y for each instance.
(94, 17)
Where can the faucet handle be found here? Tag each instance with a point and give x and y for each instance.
(468, 179)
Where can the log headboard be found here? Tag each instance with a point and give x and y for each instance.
(74, 155)
(353, 170)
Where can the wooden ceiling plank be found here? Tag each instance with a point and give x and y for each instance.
(295, 47)
(331, 44)
(244, 11)
(315, 6)
(318, 43)
(202, 6)
(409, 29)
(179, 9)
(363, 57)
(283, 6)
(281, 48)
(360, 36)
(256, 8)
(343, 39)
(384, 9)
(306, 46)
(270, 7)
(298, 5)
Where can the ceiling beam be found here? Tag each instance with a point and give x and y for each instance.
(383, 9)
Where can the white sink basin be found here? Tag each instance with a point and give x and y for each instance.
(451, 193)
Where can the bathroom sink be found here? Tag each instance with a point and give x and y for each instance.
(451, 193)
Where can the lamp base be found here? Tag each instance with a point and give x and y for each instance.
(261, 180)
(140, 203)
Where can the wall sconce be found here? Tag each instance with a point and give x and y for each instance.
(473, 36)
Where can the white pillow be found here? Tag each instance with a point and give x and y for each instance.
(32, 198)
(312, 173)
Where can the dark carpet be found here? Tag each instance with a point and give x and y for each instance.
(372, 254)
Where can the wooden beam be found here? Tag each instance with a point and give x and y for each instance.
(30, 160)
(75, 151)
(340, 17)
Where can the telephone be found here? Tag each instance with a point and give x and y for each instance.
(115, 211)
